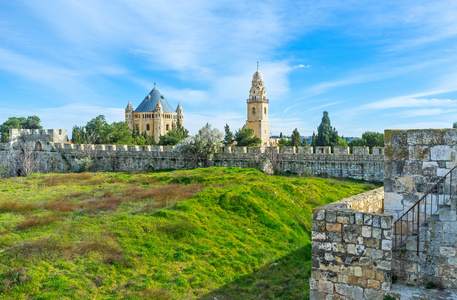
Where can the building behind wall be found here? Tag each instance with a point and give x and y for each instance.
(257, 106)
(154, 115)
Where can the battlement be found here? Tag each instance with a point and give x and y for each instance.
(318, 151)
(42, 135)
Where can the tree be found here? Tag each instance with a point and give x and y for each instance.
(32, 122)
(228, 137)
(326, 134)
(369, 139)
(246, 137)
(201, 147)
(454, 125)
(120, 134)
(284, 142)
(175, 135)
(313, 140)
(295, 139)
(98, 130)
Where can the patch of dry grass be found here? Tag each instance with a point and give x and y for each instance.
(37, 221)
(17, 206)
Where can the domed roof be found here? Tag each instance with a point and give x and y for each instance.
(150, 102)
(257, 76)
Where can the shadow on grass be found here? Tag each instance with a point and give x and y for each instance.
(285, 278)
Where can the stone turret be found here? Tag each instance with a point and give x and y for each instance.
(180, 113)
(158, 121)
(129, 115)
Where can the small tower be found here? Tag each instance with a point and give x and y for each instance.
(129, 115)
(257, 105)
(180, 114)
(158, 121)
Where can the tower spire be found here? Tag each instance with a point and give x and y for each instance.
(257, 66)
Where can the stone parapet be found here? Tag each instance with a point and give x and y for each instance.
(351, 250)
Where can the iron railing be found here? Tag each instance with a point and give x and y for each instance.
(417, 215)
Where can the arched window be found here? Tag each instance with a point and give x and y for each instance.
(166, 127)
(147, 127)
(253, 111)
(38, 146)
(265, 110)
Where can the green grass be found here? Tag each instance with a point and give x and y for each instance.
(228, 233)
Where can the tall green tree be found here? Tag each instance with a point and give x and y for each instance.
(326, 134)
(228, 137)
(246, 137)
(31, 122)
(295, 139)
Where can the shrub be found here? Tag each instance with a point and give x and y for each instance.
(82, 165)
(3, 171)
(14, 276)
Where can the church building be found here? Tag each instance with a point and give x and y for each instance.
(154, 115)
(258, 109)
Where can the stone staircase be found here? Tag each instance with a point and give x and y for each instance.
(428, 257)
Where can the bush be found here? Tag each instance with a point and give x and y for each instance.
(3, 171)
(82, 165)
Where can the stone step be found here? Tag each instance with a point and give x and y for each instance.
(405, 292)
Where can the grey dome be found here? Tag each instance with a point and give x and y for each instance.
(149, 103)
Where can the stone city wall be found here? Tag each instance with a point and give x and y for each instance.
(415, 160)
(58, 157)
(351, 249)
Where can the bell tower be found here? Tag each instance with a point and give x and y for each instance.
(258, 109)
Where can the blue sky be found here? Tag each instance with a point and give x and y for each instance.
(372, 65)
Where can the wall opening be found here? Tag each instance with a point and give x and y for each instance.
(253, 111)
(38, 146)
(20, 173)
(150, 168)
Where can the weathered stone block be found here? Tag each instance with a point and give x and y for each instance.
(447, 251)
(369, 274)
(343, 289)
(358, 272)
(373, 294)
(377, 233)
(372, 243)
(386, 245)
(392, 202)
(342, 220)
(384, 265)
(367, 219)
(366, 231)
(316, 295)
(318, 236)
(333, 227)
(330, 216)
(441, 152)
(325, 286)
(373, 284)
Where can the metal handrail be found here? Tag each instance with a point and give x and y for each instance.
(413, 214)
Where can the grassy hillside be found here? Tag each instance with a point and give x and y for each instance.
(219, 232)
